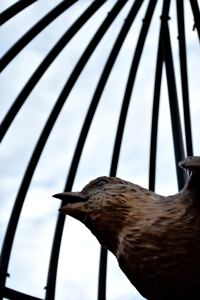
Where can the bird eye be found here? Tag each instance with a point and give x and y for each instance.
(102, 182)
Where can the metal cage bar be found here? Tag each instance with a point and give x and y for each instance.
(196, 13)
(68, 35)
(60, 221)
(173, 101)
(184, 79)
(35, 30)
(164, 56)
(14, 9)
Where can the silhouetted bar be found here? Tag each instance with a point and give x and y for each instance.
(14, 9)
(9, 236)
(195, 10)
(88, 120)
(102, 274)
(14, 295)
(156, 102)
(173, 102)
(184, 79)
(130, 18)
(155, 112)
(45, 64)
(129, 87)
(37, 28)
(99, 89)
(80, 65)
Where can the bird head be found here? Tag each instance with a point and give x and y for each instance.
(103, 205)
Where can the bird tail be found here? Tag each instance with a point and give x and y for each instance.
(191, 163)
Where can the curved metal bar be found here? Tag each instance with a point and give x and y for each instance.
(156, 102)
(14, 9)
(45, 64)
(196, 13)
(173, 102)
(184, 79)
(155, 112)
(37, 28)
(9, 236)
(15, 295)
(60, 221)
(103, 251)
(129, 87)
(98, 92)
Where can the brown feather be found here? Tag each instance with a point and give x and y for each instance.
(156, 239)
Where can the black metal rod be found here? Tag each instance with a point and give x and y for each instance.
(15, 295)
(173, 102)
(60, 221)
(98, 92)
(196, 13)
(12, 224)
(184, 78)
(14, 9)
(37, 28)
(68, 35)
(130, 18)
(155, 112)
(156, 102)
(130, 84)
(102, 273)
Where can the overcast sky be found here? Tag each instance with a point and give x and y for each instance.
(79, 255)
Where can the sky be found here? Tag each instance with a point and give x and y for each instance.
(77, 276)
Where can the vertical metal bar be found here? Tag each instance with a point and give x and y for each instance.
(184, 78)
(196, 13)
(130, 84)
(157, 85)
(103, 254)
(51, 280)
(173, 101)
(155, 111)
(102, 273)
(45, 64)
(14, 9)
(37, 28)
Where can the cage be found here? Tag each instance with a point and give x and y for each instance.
(88, 89)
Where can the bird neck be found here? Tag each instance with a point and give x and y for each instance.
(193, 184)
(106, 227)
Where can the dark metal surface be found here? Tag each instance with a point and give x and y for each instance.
(196, 13)
(45, 64)
(14, 295)
(130, 84)
(164, 56)
(11, 11)
(184, 77)
(60, 221)
(155, 113)
(173, 101)
(35, 30)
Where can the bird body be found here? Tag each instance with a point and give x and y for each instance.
(156, 239)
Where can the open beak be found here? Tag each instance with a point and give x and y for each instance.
(77, 207)
(71, 197)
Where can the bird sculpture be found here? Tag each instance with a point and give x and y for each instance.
(156, 239)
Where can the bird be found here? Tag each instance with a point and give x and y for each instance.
(156, 239)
